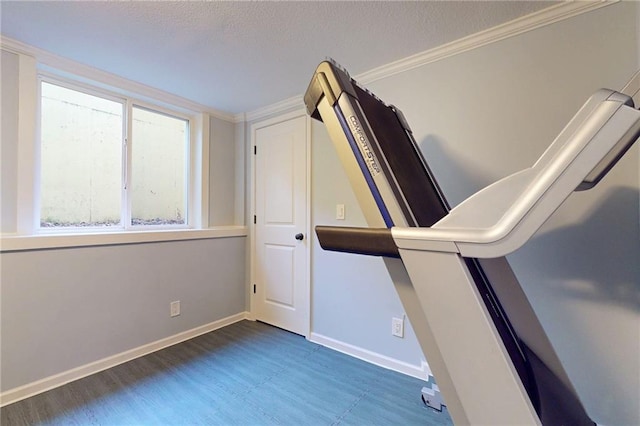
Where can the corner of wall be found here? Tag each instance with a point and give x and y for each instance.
(240, 173)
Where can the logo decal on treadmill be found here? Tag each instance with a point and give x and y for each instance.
(365, 148)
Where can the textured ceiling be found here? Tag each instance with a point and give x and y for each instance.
(241, 56)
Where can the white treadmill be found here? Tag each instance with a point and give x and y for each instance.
(488, 352)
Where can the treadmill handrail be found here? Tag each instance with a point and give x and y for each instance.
(503, 216)
(367, 241)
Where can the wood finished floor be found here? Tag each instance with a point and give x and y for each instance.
(247, 373)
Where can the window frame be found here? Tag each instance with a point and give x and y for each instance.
(37, 208)
(21, 234)
(189, 219)
(128, 102)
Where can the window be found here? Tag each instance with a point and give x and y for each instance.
(81, 152)
(107, 163)
(159, 168)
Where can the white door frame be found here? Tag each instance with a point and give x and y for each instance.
(252, 229)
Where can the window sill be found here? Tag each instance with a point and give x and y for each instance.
(10, 243)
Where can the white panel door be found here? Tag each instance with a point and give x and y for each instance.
(281, 286)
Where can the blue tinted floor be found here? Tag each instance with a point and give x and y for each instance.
(248, 373)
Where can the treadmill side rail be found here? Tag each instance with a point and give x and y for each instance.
(502, 217)
(477, 377)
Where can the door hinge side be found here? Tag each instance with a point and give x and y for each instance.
(254, 289)
(255, 149)
(255, 219)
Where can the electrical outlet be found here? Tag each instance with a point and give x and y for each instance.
(397, 327)
(174, 308)
(340, 211)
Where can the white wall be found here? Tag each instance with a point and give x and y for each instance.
(64, 308)
(486, 113)
(353, 299)
(240, 186)
(222, 172)
(9, 151)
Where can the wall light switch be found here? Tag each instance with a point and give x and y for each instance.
(174, 308)
(340, 211)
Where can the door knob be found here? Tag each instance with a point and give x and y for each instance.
(299, 237)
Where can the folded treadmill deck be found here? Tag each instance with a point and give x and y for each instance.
(396, 188)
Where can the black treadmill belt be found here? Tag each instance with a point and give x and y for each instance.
(421, 191)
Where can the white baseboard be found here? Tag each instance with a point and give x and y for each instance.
(22, 392)
(43, 385)
(422, 371)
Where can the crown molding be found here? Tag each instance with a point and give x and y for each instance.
(240, 117)
(59, 64)
(509, 29)
(281, 107)
(518, 26)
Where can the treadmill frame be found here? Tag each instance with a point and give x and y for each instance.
(515, 376)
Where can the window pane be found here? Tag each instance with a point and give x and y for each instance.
(159, 169)
(81, 159)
